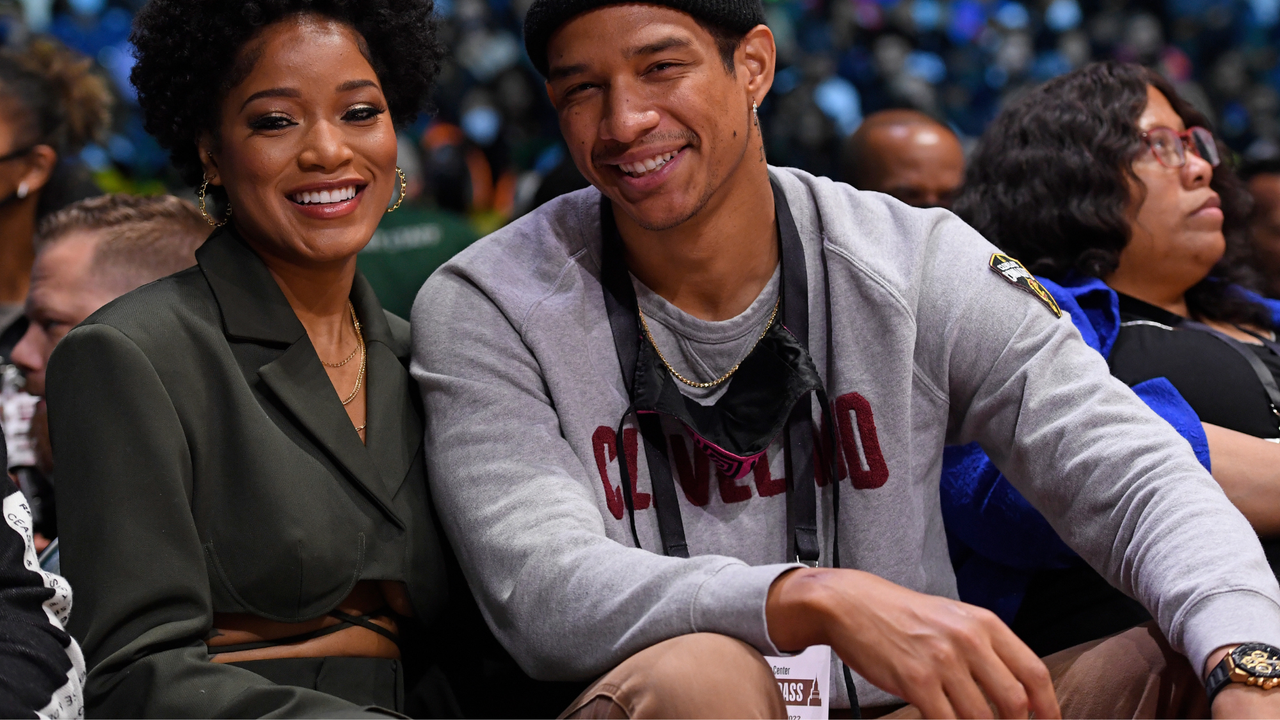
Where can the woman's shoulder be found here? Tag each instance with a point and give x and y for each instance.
(168, 311)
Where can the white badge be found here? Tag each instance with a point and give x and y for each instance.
(805, 682)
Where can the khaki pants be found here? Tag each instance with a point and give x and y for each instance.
(1131, 675)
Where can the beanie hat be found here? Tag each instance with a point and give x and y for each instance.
(547, 16)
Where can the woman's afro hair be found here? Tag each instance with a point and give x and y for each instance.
(188, 58)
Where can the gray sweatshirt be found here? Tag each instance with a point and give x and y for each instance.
(920, 343)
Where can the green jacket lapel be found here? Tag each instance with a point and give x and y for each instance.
(253, 308)
(395, 418)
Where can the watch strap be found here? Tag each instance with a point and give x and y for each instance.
(1218, 678)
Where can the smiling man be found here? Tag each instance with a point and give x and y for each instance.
(694, 416)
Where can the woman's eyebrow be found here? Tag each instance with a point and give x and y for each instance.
(272, 92)
(356, 84)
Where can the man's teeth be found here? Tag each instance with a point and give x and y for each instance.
(644, 167)
(325, 197)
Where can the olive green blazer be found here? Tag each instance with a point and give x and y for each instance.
(205, 464)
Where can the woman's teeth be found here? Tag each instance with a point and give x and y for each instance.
(325, 196)
(644, 167)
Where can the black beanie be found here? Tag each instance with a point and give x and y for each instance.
(546, 16)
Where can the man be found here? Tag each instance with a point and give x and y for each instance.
(92, 252)
(88, 254)
(1263, 177)
(584, 367)
(906, 154)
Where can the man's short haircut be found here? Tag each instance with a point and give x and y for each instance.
(727, 41)
(140, 239)
(856, 158)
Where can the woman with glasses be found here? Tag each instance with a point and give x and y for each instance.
(1107, 185)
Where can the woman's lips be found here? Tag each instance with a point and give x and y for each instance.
(1212, 206)
(326, 205)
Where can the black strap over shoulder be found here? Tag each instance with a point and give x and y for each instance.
(623, 310)
(1260, 368)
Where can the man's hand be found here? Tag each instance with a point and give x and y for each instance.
(1242, 701)
(945, 657)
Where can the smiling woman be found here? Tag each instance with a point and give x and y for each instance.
(248, 524)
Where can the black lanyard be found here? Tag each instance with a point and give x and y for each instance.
(1260, 369)
(802, 502)
(623, 309)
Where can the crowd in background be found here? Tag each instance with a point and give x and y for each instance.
(492, 139)
(490, 150)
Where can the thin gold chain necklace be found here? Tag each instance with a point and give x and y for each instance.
(363, 357)
(355, 349)
(722, 378)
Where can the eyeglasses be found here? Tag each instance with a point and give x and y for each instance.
(1170, 146)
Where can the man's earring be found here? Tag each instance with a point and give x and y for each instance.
(755, 113)
(207, 218)
(23, 190)
(404, 184)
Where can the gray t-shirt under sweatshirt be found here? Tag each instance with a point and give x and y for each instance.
(920, 345)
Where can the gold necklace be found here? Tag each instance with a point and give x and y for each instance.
(354, 350)
(722, 378)
(363, 358)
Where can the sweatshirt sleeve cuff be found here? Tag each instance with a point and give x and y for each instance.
(732, 602)
(1229, 618)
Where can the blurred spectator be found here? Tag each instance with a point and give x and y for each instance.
(906, 154)
(88, 254)
(418, 238)
(1263, 178)
(52, 104)
(41, 668)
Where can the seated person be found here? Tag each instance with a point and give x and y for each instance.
(241, 483)
(695, 415)
(1105, 182)
(1263, 179)
(88, 254)
(906, 154)
(41, 667)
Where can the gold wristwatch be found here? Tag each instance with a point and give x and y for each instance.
(1254, 664)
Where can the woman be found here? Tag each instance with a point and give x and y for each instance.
(1105, 183)
(240, 474)
(53, 106)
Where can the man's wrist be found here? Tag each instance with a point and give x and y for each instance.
(796, 609)
(1216, 657)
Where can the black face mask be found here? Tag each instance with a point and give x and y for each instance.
(738, 429)
(770, 394)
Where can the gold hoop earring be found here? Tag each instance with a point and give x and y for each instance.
(404, 184)
(207, 218)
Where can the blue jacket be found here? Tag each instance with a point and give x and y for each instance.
(998, 540)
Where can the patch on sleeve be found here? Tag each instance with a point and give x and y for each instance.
(1013, 271)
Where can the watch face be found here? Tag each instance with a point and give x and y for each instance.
(1258, 660)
